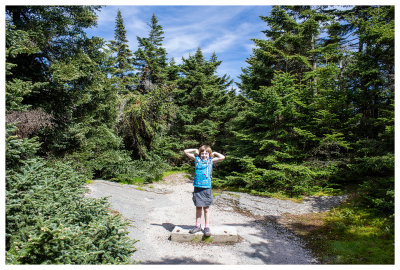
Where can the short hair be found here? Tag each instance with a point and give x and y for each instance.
(205, 148)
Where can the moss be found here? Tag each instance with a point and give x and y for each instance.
(347, 235)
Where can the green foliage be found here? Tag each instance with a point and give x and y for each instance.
(18, 42)
(122, 69)
(353, 234)
(151, 58)
(374, 166)
(144, 122)
(378, 194)
(315, 112)
(100, 155)
(49, 221)
(301, 128)
(202, 103)
(18, 151)
(150, 170)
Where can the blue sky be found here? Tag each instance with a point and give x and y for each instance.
(227, 30)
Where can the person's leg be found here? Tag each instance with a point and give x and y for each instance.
(198, 221)
(198, 216)
(207, 231)
(206, 216)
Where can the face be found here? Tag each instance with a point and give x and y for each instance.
(204, 155)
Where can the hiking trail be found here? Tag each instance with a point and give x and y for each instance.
(153, 210)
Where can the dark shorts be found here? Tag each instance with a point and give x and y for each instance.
(202, 197)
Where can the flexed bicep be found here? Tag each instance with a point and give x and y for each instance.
(218, 157)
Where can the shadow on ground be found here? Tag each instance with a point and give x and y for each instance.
(170, 227)
(180, 260)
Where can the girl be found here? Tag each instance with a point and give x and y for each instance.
(204, 159)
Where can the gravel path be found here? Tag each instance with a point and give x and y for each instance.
(156, 209)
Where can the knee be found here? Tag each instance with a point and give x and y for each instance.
(205, 209)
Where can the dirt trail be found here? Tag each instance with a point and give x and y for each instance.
(154, 210)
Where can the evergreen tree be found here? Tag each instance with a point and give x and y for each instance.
(289, 46)
(48, 220)
(201, 97)
(370, 82)
(77, 93)
(289, 136)
(123, 61)
(314, 106)
(151, 58)
(147, 112)
(371, 73)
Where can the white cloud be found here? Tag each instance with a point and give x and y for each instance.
(221, 44)
(136, 27)
(207, 27)
(225, 30)
(181, 43)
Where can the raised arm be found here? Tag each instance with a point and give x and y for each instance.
(191, 152)
(217, 157)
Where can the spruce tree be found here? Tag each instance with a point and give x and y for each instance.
(151, 58)
(48, 218)
(370, 83)
(201, 97)
(316, 102)
(123, 59)
(290, 129)
(78, 95)
(148, 110)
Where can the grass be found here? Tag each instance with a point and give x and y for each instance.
(359, 236)
(141, 181)
(134, 181)
(168, 173)
(348, 234)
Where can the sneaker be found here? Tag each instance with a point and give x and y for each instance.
(195, 229)
(207, 231)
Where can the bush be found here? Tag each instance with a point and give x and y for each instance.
(374, 165)
(48, 219)
(378, 193)
(100, 154)
(149, 170)
(29, 122)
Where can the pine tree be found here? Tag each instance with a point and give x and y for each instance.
(201, 97)
(313, 98)
(123, 61)
(148, 110)
(48, 220)
(289, 46)
(370, 83)
(151, 58)
(78, 95)
(372, 70)
(289, 134)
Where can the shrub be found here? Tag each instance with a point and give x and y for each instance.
(378, 193)
(29, 122)
(48, 219)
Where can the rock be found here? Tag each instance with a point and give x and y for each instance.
(219, 234)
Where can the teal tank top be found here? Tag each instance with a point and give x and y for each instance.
(203, 172)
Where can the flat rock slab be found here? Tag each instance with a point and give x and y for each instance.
(219, 234)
